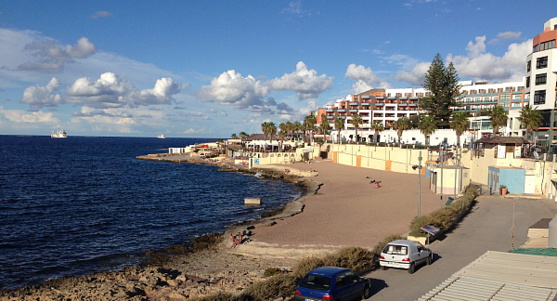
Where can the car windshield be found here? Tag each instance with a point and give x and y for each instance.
(316, 282)
(395, 250)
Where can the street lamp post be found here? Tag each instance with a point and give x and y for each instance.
(442, 163)
(419, 168)
(420, 184)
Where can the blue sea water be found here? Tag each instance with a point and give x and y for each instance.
(84, 204)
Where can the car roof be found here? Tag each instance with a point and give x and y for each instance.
(402, 242)
(327, 271)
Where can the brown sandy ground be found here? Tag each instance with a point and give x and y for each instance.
(346, 210)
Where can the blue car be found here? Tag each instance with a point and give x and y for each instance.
(332, 283)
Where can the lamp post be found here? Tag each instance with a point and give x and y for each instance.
(420, 184)
(442, 163)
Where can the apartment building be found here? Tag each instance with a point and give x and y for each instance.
(388, 105)
(541, 76)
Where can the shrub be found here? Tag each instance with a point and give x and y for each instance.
(271, 272)
(445, 217)
(282, 285)
(357, 259)
(307, 264)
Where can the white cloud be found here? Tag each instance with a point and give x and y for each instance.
(231, 88)
(20, 116)
(43, 96)
(416, 76)
(82, 49)
(365, 79)
(503, 36)
(305, 82)
(111, 91)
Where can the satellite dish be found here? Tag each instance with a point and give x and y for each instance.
(536, 155)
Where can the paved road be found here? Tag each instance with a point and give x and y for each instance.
(495, 223)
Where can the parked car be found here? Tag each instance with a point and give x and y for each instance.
(405, 254)
(333, 283)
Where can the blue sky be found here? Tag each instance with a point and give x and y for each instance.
(213, 68)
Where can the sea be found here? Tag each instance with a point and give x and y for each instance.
(81, 205)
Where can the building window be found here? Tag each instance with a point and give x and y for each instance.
(528, 66)
(547, 45)
(539, 97)
(541, 62)
(541, 79)
(528, 82)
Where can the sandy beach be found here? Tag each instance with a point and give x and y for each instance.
(346, 210)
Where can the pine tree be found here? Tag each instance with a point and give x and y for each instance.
(443, 84)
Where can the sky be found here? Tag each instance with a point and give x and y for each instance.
(208, 69)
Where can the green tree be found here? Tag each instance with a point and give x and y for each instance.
(309, 126)
(356, 122)
(531, 119)
(443, 84)
(234, 136)
(427, 126)
(324, 127)
(460, 124)
(297, 128)
(401, 125)
(269, 129)
(414, 121)
(339, 125)
(243, 135)
(377, 126)
(498, 118)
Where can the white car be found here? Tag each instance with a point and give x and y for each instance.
(405, 254)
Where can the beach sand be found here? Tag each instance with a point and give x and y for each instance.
(346, 210)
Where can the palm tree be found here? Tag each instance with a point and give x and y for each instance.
(356, 121)
(498, 118)
(309, 125)
(427, 126)
(269, 129)
(459, 123)
(324, 127)
(400, 125)
(377, 126)
(234, 136)
(297, 127)
(530, 118)
(339, 125)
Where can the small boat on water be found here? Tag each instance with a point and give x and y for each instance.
(59, 134)
(161, 136)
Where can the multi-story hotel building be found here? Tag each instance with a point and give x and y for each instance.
(388, 105)
(539, 89)
(541, 75)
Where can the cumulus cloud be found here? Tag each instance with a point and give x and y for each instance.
(365, 79)
(43, 96)
(231, 88)
(305, 82)
(112, 91)
(51, 58)
(20, 116)
(479, 64)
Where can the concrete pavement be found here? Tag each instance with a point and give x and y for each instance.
(494, 223)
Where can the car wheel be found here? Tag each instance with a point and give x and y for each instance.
(429, 259)
(367, 292)
(384, 268)
(412, 268)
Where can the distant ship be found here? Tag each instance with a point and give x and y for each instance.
(59, 134)
(161, 136)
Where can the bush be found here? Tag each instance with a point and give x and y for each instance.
(271, 272)
(282, 285)
(307, 264)
(357, 259)
(446, 217)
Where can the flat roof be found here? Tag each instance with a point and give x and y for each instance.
(501, 276)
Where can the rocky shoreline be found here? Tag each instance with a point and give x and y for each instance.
(208, 265)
